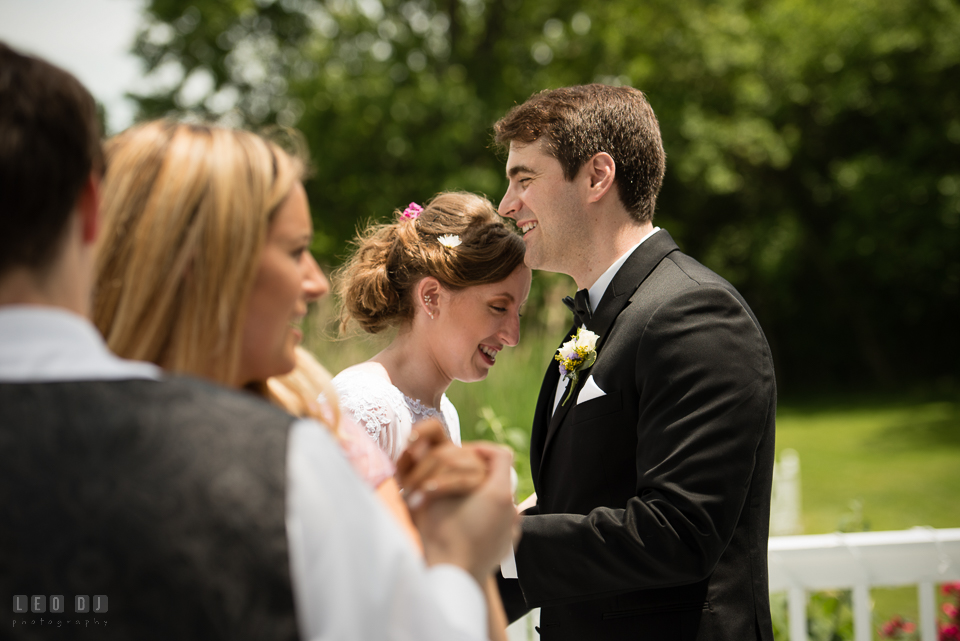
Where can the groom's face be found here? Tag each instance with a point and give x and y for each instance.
(546, 207)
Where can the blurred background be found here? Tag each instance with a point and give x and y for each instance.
(813, 160)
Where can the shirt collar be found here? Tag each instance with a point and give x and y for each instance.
(46, 344)
(599, 288)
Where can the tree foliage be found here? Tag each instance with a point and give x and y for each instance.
(813, 146)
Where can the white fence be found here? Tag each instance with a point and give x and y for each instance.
(857, 561)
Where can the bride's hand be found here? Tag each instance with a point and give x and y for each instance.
(432, 467)
(528, 502)
(475, 530)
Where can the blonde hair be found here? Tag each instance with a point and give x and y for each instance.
(375, 285)
(185, 213)
(307, 390)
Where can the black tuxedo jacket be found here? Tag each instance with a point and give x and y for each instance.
(654, 499)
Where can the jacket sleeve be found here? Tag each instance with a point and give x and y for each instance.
(704, 380)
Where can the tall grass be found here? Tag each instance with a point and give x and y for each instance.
(897, 457)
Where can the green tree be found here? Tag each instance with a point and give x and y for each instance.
(812, 145)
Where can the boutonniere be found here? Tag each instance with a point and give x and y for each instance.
(577, 354)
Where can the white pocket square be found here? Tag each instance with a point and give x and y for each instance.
(590, 390)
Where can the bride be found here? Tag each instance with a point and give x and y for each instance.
(450, 279)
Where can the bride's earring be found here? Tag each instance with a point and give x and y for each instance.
(426, 299)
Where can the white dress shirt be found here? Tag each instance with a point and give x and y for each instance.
(355, 574)
(595, 294)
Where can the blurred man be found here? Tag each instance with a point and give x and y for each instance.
(652, 449)
(177, 509)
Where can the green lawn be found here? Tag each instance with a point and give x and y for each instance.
(900, 459)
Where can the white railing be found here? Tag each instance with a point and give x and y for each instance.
(857, 561)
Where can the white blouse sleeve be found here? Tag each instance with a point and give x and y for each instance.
(355, 574)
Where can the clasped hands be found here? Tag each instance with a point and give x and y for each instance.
(460, 499)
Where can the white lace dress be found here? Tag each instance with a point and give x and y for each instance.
(386, 413)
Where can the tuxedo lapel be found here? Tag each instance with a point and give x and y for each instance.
(631, 274)
(543, 412)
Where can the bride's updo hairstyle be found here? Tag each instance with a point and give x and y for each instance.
(376, 284)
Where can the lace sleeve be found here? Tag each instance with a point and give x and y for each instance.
(369, 461)
(368, 400)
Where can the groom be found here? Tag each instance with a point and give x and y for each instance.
(653, 472)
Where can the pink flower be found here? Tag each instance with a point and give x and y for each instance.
(412, 211)
(896, 628)
(950, 633)
(951, 588)
(892, 627)
(950, 610)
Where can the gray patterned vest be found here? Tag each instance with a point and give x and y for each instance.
(166, 497)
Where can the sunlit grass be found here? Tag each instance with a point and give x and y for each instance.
(898, 458)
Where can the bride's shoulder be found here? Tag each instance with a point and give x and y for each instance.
(369, 376)
(365, 392)
(362, 371)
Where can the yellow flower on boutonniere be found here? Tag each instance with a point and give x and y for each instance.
(577, 354)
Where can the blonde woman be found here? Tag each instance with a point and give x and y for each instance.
(204, 268)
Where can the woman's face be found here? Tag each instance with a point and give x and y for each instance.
(476, 323)
(288, 279)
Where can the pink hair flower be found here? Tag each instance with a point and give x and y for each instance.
(412, 211)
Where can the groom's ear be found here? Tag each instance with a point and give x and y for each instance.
(601, 171)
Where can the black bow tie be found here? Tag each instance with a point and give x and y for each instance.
(580, 306)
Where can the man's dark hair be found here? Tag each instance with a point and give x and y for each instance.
(49, 144)
(576, 123)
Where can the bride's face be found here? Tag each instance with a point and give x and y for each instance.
(476, 323)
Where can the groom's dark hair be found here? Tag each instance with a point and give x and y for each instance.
(576, 123)
(49, 144)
